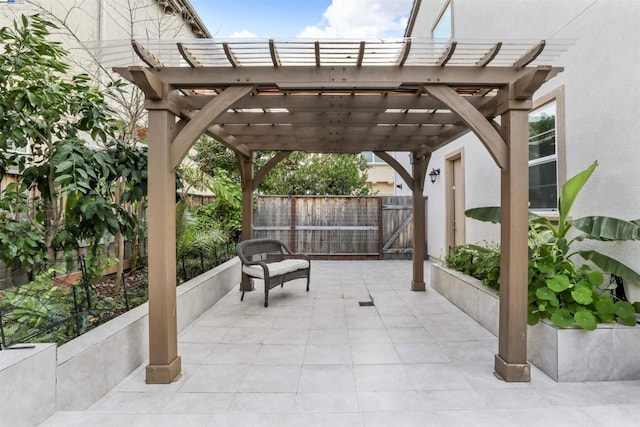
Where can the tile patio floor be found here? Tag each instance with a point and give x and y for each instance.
(319, 359)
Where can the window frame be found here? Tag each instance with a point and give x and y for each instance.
(448, 5)
(557, 96)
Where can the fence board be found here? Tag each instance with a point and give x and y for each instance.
(338, 226)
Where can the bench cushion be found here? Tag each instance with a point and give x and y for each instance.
(276, 268)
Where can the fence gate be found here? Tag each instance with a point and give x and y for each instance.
(338, 227)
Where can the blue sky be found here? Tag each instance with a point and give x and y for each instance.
(304, 18)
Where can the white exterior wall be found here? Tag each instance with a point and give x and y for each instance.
(601, 83)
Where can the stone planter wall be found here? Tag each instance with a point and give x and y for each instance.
(40, 379)
(611, 352)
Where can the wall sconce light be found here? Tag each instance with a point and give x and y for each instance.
(434, 174)
(399, 186)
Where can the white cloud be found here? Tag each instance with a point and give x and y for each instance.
(361, 19)
(244, 34)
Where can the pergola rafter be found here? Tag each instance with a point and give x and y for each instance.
(344, 97)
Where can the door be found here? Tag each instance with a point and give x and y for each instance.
(455, 201)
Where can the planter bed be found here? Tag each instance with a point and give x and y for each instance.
(610, 353)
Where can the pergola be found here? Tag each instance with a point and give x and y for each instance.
(339, 96)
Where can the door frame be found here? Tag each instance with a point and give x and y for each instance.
(450, 197)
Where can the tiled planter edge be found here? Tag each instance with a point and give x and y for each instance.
(610, 353)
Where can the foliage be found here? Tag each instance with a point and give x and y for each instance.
(21, 240)
(34, 308)
(191, 235)
(49, 126)
(592, 227)
(212, 156)
(299, 174)
(318, 174)
(557, 289)
(477, 261)
(225, 212)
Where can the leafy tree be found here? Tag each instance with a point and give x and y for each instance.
(318, 174)
(49, 126)
(212, 156)
(299, 174)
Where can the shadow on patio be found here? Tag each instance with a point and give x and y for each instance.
(321, 359)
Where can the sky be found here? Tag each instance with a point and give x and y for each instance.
(315, 19)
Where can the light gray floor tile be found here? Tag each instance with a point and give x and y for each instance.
(263, 402)
(327, 378)
(239, 419)
(286, 336)
(325, 420)
(448, 332)
(327, 354)
(401, 321)
(371, 401)
(328, 336)
(382, 378)
(466, 351)
(426, 352)
(369, 336)
(374, 353)
(327, 402)
(128, 402)
(195, 353)
(257, 321)
(233, 354)
(203, 334)
(436, 376)
(280, 354)
(439, 400)
(292, 322)
(364, 322)
(198, 403)
(245, 336)
(216, 378)
(404, 419)
(409, 335)
(280, 378)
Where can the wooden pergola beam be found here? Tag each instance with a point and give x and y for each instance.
(202, 120)
(332, 117)
(475, 120)
(345, 77)
(490, 55)
(309, 130)
(371, 102)
(530, 56)
(264, 170)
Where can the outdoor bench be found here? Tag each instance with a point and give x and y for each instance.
(272, 261)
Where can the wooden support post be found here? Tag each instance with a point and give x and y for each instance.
(246, 172)
(419, 163)
(164, 362)
(511, 360)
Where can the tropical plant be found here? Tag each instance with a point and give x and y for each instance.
(191, 235)
(592, 227)
(558, 289)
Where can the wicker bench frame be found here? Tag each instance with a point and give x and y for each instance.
(270, 255)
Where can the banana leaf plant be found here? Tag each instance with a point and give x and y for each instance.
(591, 227)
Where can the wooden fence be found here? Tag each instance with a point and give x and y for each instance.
(338, 227)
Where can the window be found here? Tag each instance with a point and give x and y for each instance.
(372, 158)
(543, 158)
(444, 25)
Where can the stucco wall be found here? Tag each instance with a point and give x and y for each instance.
(601, 82)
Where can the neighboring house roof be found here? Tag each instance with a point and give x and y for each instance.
(189, 14)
